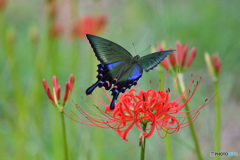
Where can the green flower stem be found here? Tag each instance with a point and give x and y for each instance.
(53, 53)
(217, 120)
(168, 148)
(143, 144)
(182, 89)
(167, 138)
(64, 136)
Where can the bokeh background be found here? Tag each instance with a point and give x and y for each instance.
(40, 39)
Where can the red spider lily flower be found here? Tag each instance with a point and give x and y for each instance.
(172, 59)
(89, 25)
(178, 62)
(55, 98)
(2, 4)
(151, 108)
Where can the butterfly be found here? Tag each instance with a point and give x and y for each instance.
(118, 69)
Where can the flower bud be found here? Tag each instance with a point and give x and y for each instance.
(183, 55)
(217, 64)
(165, 64)
(209, 65)
(191, 57)
(49, 94)
(172, 59)
(178, 51)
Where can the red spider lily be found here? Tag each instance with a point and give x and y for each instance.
(89, 25)
(55, 98)
(178, 62)
(2, 4)
(145, 108)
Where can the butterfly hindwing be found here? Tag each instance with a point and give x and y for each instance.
(129, 76)
(150, 61)
(107, 51)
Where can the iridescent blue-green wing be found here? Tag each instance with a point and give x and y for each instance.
(150, 61)
(107, 51)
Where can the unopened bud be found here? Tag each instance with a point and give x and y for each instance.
(216, 62)
(191, 57)
(209, 65)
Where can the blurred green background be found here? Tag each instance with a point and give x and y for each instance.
(30, 125)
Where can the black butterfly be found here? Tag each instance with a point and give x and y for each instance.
(119, 67)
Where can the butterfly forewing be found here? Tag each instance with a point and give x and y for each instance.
(107, 51)
(150, 61)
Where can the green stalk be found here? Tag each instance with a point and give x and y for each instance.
(142, 156)
(217, 120)
(182, 89)
(168, 148)
(64, 136)
(167, 138)
(2, 32)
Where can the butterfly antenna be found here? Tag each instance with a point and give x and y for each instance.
(145, 49)
(134, 47)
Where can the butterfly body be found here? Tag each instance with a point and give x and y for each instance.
(119, 70)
